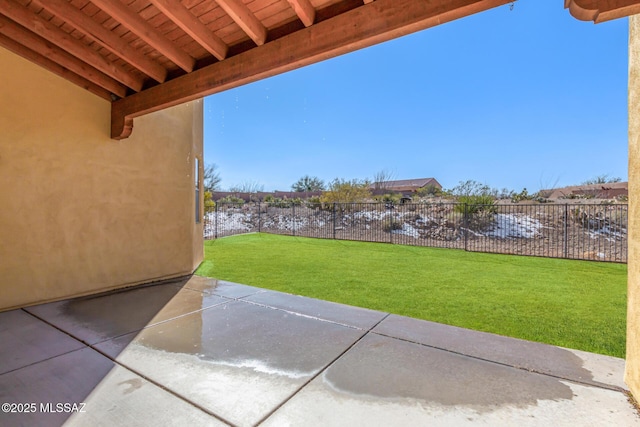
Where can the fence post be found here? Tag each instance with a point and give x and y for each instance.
(334, 220)
(215, 222)
(293, 218)
(259, 209)
(566, 231)
(465, 222)
(390, 224)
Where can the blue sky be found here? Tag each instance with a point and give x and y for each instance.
(529, 97)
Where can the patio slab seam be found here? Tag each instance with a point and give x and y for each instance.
(209, 292)
(54, 356)
(534, 371)
(161, 322)
(297, 313)
(320, 372)
(162, 387)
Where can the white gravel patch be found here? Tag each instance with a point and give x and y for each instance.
(515, 226)
(407, 230)
(371, 215)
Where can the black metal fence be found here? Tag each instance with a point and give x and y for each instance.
(575, 231)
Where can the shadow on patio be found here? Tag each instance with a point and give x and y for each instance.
(197, 351)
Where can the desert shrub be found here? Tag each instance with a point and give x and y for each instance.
(208, 200)
(314, 202)
(475, 204)
(523, 195)
(308, 183)
(389, 198)
(472, 188)
(580, 196)
(344, 191)
(428, 191)
(277, 202)
(231, 200)
(602, 179)
(540, 199)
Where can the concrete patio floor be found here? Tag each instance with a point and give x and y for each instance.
(197, 351)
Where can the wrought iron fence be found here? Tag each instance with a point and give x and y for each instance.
(574, 231)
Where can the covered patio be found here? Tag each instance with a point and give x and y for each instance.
(197, 351)
(92, 205)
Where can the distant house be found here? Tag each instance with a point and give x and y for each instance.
(405, 186)
(597, 191)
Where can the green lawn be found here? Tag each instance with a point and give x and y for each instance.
(575, 304)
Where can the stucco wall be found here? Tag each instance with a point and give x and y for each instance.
(632, 374)
(80, 212)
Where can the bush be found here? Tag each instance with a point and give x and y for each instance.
(343, 191)
(277, 202)
(231, 200)
(314, 202)
(429, 191)
(472, 188)
(208, 200)
(308, 183)
(523, 195)
(389, 198)
(475, 204)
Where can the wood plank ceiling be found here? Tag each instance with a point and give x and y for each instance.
(146, 55)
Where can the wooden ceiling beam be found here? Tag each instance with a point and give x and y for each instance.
(61, 57)
(55, 68)
(305, 11)
(105, 38)
(601, 10)
(242, 16)
(140, 27)
(361, 27)
(191, 25)
(29, 20)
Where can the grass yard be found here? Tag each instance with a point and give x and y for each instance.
(575, 304)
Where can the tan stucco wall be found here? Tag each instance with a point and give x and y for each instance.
(80, 212)
(632, 374)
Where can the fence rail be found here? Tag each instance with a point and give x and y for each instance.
(574, 231)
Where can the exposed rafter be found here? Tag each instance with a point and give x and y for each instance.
(37, 44)
(146, 32)
(305, 11)
(154, 54)
(364, 26)
(55, 35)
(192, 26)
(105, 38)
(241, 14)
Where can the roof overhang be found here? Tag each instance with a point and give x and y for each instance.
(147, 55)
(602, 10)
(364, 26)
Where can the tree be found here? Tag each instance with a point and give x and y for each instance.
(247, 187)
(381, 179)
(602, 179)
(308, 183)
(472, 188)
(211, 178)
(344, 191)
